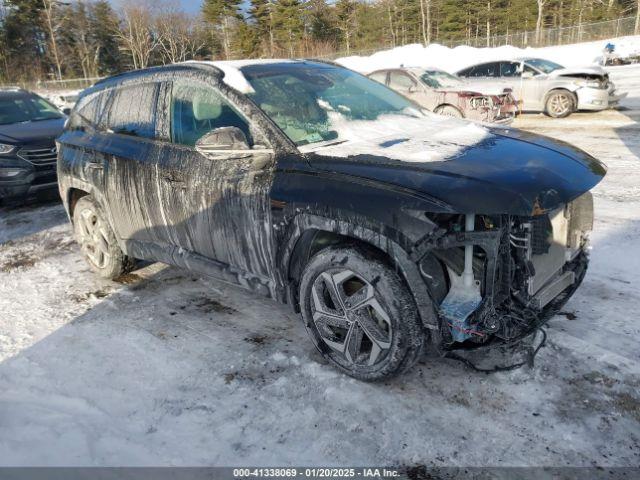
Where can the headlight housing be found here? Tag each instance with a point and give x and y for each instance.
(5, 149)
(589, 83)
(480, 102)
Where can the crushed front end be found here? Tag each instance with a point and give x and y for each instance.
(523, 270)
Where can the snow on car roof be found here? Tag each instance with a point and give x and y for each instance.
(232, 74)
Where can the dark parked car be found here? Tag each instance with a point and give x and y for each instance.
(28, 127)
(388, 227)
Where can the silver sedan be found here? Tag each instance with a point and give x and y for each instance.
(544, 86)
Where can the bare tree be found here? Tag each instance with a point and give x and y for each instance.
(52, 26)
(136, 34)
(488, 23)
(637, 29)
(541, 5)
(177, 38)
(425, 14)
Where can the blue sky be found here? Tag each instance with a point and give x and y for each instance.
(191, 6)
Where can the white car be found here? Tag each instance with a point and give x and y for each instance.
(544, 86)
(64, 100)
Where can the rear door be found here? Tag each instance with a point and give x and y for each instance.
(128, 152)
(215, 205)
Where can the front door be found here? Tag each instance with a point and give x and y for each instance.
(403, 83)
(216, 204)
(525, 87)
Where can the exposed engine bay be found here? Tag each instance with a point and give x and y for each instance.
(506, 275)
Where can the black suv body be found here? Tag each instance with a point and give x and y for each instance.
(386, 226)
(29, 126)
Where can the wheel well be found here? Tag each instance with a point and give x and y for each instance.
(443, 105)
(311, 242)
(74, 195)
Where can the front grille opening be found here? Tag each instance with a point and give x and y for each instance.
(39, 155)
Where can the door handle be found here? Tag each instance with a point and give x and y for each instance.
(94, 163)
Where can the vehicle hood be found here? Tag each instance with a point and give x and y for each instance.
(505, 171)
(579, 71)
(478, 88)
(44, 131)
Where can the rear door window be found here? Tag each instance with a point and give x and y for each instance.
(485, 70)
(133, 110)
(90, 111)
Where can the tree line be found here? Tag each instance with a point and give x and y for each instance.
(55, 39)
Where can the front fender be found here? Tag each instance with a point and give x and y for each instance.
(407, 268)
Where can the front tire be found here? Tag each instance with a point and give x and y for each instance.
(360, 314)
(560, 103)
(98, 241)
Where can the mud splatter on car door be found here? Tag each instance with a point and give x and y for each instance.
(130, 150)
(213, 199)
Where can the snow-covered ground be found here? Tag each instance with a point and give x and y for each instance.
(164, 367)
(455, 59)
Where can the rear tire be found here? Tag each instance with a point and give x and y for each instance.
(448, 111)
(98, 241)
(359, 313)
(560, 103)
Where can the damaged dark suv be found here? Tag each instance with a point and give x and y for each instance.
(388, 227)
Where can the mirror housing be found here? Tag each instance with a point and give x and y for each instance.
(223, 138)
(66, 111)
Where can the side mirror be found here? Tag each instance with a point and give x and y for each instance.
(223, 138)
(66, 111)
(527, 74)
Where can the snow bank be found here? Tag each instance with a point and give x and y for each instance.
(454, 59)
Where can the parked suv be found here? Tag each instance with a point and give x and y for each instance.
(28, 127)
(388, 227)
(545, 86)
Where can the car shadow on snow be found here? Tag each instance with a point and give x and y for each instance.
(630, 134)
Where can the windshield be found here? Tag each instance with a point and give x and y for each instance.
(26, 108)
(439, 79)
(545, 66)
(310, 102)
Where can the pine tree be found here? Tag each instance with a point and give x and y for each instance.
(25, 38)
(261, 13)
(321, 21)
(103, 22)
(346, 19)
(223, 16)
(288, 24)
